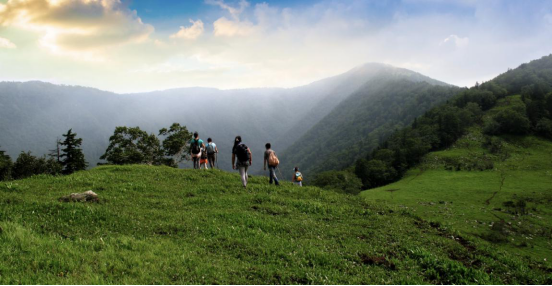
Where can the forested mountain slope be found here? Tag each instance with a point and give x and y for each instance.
(359, 123)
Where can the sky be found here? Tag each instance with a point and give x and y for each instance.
(144, 45)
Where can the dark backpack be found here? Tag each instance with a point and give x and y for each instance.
(204, 155)
(241, 152)
(195, 147)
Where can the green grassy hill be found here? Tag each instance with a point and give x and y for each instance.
(499, 190)
(157, 225)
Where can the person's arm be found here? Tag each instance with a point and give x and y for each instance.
(264, 162)
(233, 161)
(216, 149)
(250, 157)
(293, 178)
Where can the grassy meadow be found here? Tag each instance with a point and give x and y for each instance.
(158, 225)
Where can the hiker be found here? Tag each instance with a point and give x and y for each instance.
(203, 159)
(212, 152)
(244, 159)
(297, 177)
(195, 149)
(272, 160)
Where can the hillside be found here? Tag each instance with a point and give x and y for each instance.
(158, 225)
(495, 189)
(359, 123)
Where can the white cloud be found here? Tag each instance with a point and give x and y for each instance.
(228, 28)
(6, 44)
(190, 33)
(455, 41)
(76, 25)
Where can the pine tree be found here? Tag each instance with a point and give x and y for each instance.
(73, 157)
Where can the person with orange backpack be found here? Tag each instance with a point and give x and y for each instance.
(297, 177)
(273, 162)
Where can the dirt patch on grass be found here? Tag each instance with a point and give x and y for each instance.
(376, 260)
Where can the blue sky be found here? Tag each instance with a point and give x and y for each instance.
(142, 45)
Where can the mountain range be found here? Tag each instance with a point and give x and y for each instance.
(355, 109)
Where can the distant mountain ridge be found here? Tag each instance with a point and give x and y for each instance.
(35, 113)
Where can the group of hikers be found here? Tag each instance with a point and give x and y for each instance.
(241, 159)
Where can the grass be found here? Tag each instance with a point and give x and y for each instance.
(502, 197)
(158, 225)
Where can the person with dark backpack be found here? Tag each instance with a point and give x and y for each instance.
(244, 159)
(212, 152)
(195, 149)
(273, 162)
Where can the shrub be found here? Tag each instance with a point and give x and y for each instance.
(342, 181)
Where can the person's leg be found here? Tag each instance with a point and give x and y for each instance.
(211, 159)
(273, 176)
(195, 161)
(270, 175)
(243, 174)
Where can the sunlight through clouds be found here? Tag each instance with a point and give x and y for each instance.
(76, 26)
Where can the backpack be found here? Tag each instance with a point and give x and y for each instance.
(273, 160)
(210, 149)
(298, 177)
(195, 147)
(241, 152)
(203, 155)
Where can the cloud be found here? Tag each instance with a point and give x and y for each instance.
(455, 41)
(6, 44)
(235, 12)
(228, 28)
(190, 33)
(76, 25)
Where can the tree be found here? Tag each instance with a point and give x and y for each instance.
(6, 165)
(27, 165)
(73, 157)
(133, 146)
(56, 153)
(175, 144)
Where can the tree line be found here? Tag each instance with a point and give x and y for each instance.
(128, 145)
(66, 159)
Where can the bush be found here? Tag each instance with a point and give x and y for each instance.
(375, 173)
(342, 181)
(544, 128)
(508, 121)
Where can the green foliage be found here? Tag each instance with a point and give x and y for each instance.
(375, 173)
(27, 165)
(544, 128)
(133, 146)
(507, 121)
(73, 157)
(5, 166)
(340, 181)
(175, 143)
